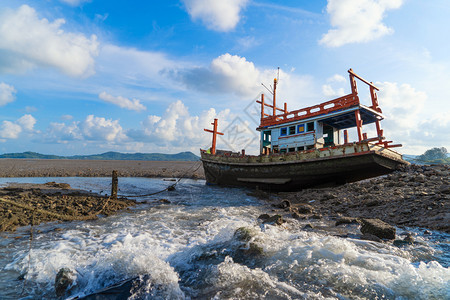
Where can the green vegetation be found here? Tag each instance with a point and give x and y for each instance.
(182, 156)
(434, 156)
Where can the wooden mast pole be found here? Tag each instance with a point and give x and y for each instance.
(215, 133)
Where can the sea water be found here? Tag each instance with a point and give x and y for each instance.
(188, 249)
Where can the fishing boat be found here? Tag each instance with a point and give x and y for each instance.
(308, 147)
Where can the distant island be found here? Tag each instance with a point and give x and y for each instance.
(182, 156)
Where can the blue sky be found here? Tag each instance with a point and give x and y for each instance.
(90, 76)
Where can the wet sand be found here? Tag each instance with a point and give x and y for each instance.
(98, 168)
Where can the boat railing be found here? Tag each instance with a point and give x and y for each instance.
(312, 111)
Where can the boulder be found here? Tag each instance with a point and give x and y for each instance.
(63, 280)
(305, 209)
(378, 228)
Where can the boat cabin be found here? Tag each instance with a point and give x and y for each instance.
(319, 126)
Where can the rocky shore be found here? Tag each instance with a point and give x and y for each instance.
(32, 204)
(415, 196)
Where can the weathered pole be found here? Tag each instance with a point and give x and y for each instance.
(114, 184)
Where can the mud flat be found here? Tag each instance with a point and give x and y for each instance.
(416, 196)
(98, 168)
(26, 204)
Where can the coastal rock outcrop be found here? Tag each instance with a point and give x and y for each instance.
(378, 228)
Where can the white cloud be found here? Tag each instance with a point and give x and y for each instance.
(7, 93)
(123, 102)
(330, 90)
(12, 130)
(63, 133)
(74, 2)
(177, 129)
(27, 122)
(96, 128)
(233, 74)
(356, 21)
(26, 41)
(216, 14)
(93, 129)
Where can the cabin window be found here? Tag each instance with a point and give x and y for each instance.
(291, 150)
(284, 150)
(300, 148)
(301, 128)
(292, 130)
(283, 131)
(310, 126)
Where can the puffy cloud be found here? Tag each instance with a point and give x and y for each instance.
(357, 21)
(177, 129)
(216, 14)
(123, 102)
(96, 128)
(27, 122)
(26, 41)
(63, 133)
(93, 128)
(7, 93)
(234, 74)
(12, 130)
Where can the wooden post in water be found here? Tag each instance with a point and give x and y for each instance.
(114, 184)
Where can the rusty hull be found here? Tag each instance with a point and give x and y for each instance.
(299, 170)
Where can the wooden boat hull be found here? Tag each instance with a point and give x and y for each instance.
(339, 166)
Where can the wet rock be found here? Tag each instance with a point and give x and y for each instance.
(371, 237)
(316, 217)
(305, 209)
(408, 240)
(165, 201)
(263, 217)
(63, 280)
(298, 216)
(274, 220)
(283, 204)
(346, 220)
(378, 228)
(307, 227)
(244, 234)
(171, 188)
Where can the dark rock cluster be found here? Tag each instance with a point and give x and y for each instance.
(415, 196)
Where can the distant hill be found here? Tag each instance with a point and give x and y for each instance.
(182, 156)
(415, 159)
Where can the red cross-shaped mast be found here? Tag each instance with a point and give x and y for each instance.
(215, 133)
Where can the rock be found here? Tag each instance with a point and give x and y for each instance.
(165, 201)
(371, 237)
(346, 220)
(305, 209)
(316, 216)
(378, 228)
(263, 217)
(307, 227)
(283, 204)
(374, 203)
(63, 280)
(244, 234)
(274, 220)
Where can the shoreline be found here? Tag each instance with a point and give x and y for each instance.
(415, 196)
(99, 168)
